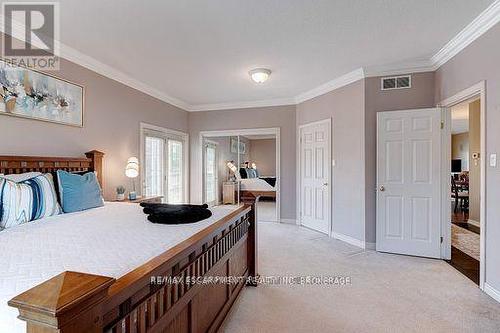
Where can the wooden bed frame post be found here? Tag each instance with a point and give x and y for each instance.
(96, 164)
(69, 302)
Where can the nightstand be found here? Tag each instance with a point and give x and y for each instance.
(229, 193)
(152, 199)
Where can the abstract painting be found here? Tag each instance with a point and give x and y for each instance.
(30, 94)
(235, 148)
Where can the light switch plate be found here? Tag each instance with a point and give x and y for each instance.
(493, 160)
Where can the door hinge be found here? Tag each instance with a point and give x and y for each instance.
(441, 239)
(442, 124)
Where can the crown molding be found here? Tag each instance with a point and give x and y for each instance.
(242, 105)
(487, 19)
(77, 57)
(334, 84)
(400, 68)
(88, 62)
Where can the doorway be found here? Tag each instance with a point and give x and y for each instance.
(247, 160)
(464, 220)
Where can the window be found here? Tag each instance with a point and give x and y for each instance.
(211, 174)
(164, 154)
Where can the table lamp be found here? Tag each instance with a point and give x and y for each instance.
(132, 171)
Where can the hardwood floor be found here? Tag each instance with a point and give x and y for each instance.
(465, 264)
(460, 218)
(461, 261)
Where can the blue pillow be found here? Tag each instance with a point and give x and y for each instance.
(78, 192)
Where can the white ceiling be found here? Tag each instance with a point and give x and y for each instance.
(200, 52)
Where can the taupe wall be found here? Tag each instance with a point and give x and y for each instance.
(345, 106)
(474, 164)
(263, 153)
(280, 116)
(478, 62)
(113, 112)
(421, 95)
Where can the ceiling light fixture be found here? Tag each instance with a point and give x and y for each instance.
(260, 75)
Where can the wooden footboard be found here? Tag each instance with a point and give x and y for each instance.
(189, 288)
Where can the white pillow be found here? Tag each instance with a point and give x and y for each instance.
(29, 200)
(21, 177)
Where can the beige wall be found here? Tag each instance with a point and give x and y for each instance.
(279, 116)
(421, 95)
(112, 115)
(263, 153)
(474, 164)
(478, 62)
(345, 106)
(460, 149)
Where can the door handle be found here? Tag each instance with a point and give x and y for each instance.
(382, 188)
(325, 184)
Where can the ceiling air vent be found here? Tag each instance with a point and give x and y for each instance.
(396, 82)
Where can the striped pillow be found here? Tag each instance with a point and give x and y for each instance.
(28, 200)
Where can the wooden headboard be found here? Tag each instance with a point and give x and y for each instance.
(21, 164)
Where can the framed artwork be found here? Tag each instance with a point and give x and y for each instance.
(234, 146)
(31, 94)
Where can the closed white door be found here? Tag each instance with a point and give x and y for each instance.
(315, 176)
(408, 182)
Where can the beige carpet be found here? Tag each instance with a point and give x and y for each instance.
(466, 241)
(389, 293)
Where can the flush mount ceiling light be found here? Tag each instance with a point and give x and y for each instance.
(260, 75)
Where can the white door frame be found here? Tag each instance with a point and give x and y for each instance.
(328, 121)
(478, 89)
(249, 131)
(167, 132)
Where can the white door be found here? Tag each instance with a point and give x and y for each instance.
(408, 182)
(211, 179)
(315, 176)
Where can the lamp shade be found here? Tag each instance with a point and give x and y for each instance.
(231, 166)
(132, 168)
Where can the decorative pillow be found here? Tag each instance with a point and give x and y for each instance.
(17, 178)
(251, 173)
(79, 192)
(28, 200)
(243, 173)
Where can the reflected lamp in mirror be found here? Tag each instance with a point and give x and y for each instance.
(132, 171)
(232, 170)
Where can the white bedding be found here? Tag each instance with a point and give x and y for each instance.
(255, 184)
(110, 240)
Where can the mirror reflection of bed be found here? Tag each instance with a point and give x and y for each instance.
(233, 164)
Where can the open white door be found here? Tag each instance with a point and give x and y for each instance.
(315, 176)
(409, 182)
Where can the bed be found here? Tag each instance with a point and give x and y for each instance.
(257, 184)
(98, 270)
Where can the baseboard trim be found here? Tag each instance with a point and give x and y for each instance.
(349, 240)
(492, 292)
(289, 221)
(370, 246)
